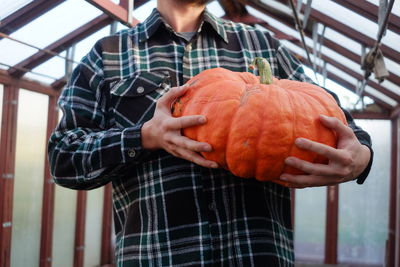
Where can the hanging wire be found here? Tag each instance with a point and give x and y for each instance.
(28, 70)
(47, 51)
(381, 32)
(303, 41)
(369, 59)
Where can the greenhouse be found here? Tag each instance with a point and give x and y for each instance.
(49, 49)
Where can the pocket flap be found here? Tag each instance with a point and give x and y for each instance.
(141, 84)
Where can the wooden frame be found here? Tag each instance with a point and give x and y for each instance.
(7, 169)
(46, 240)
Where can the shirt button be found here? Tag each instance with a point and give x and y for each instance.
(211, 206)
(165, 86)
(131, 152)
(140, 89)
(189, 47)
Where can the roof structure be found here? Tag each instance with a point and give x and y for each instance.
(41, 40)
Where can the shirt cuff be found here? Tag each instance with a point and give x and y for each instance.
(131, 144)
(361, 178)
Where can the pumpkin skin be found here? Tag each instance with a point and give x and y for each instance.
(252, 126)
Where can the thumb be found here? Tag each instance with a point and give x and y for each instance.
(168, 98)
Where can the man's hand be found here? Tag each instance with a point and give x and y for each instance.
(164, 131)
(345, 163)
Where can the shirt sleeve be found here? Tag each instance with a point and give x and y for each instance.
(290, 68)
(84, 151)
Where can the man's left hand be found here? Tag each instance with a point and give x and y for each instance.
(346, 162)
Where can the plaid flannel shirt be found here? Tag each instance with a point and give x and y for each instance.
(168, 211)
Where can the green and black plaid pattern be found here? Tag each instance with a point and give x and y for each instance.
(167, 211)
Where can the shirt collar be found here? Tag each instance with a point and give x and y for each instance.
(155, 20)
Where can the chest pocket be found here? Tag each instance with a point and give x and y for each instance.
(134, 99)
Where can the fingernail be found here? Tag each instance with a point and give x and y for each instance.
(202, 119)
(283, 177)
(299, 141)
(214, 165)
(207, 148)
(289, 161)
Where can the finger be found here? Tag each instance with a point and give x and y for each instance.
(185, 121)
(302, 181)
(335, 124)
(322, 149)
(195, 158)
(308, 167)
(172, 94)
(189, 144)
(317, 168)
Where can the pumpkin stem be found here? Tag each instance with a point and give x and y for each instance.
(264, 68)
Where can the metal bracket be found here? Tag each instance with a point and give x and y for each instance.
(8, 176)
(307, 12)
(7, 224)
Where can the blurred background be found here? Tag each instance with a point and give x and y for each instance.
(42, 41)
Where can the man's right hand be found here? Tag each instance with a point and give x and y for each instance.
(163, 131)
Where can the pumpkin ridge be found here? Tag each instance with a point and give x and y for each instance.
(258, 150)
(231, 133)
(250, 90)
(289, 95)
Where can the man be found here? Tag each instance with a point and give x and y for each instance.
(171, 206)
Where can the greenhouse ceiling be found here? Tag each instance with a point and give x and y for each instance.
(43, 40)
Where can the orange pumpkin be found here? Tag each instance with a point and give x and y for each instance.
(252, 125)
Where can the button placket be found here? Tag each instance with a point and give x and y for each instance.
(212, 206)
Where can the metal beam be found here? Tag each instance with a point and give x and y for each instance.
(396, 112)
(58, 84)
(331, 227)
(46, 240)
(365, 115)
(370, 11)
(115, 11)
(107, 253)
(394, 204)
(352, 33)
(79, 251)
(6, 79)
(26, 14)
(61, 44)
(346, 84)
(328, 43)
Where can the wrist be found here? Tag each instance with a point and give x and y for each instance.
(148, 140)
(365, 156)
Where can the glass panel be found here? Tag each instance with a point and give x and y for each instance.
(363, 210)
(64, 227)
(357, 22)
(54, 68)
(10, 6)
(145, 10)
(215, 8)
(47, 29)
(310, 219)
(396, 6)
(83, 47)
(94, 221)
(29, 173)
